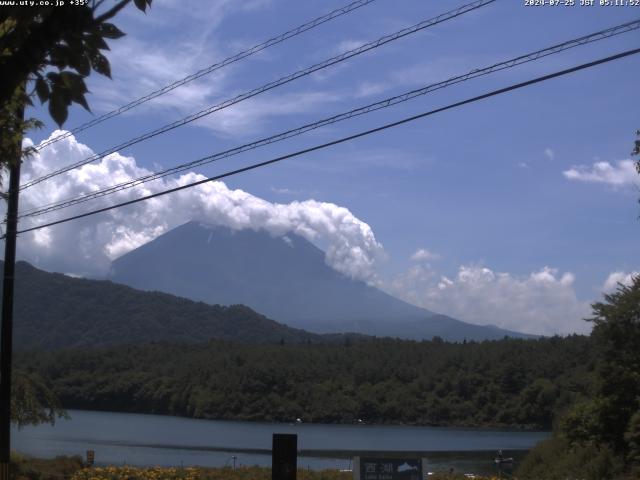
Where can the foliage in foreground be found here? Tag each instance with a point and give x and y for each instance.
(557, 459)
(49, 51)
(514, 383)
(28, 468)
(72, 468)
(33, 401)
(600, 436)
(227, 473)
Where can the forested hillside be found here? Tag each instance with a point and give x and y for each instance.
(56, 311)
(507, 383)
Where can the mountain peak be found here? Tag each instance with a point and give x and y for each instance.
(284, 277)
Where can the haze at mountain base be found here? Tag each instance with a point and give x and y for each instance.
(285, 278)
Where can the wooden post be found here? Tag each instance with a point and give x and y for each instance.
(6, 324)
(284, 456)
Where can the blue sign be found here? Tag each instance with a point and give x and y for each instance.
(390, 469)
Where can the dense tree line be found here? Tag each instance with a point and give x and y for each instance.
(507, 383)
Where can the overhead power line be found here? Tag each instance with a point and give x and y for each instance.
(343, 139)
(271, 85)
(388, 102)
(338, 12)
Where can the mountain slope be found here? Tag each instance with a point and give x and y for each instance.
(285, 278)
(56, 311)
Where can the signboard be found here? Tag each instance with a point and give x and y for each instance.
(388, 469)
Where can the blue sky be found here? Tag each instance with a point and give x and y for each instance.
(519, 200)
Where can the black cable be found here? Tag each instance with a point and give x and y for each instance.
(269, 86)
(344, 139)
(388, 102)
(211, 68)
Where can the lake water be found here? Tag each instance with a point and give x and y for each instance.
(133, 439)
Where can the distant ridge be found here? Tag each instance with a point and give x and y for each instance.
(285, 278)
(54, 311)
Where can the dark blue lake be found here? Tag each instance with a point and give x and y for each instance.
(120, 438)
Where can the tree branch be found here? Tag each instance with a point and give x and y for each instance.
(112, 12)
(96, 4)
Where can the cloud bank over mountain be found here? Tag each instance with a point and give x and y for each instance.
(541, 302)
(88, 246)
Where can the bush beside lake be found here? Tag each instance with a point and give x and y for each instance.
(58, 468)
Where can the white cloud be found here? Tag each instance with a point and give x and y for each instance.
(140, 66)
(550, 154)
(348, 45)
(424, 255)
(622, 174)
(144, 69)
(417, 75)
(611, 283)
(250, 116)
(87, 246)
(284, 191)
(256, 4)
(292, 192)
(544, 302)
(367, 89)
(370, 159)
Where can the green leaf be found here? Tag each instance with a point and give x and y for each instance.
(101, 65)
(95, 42)
(58, 109)
(42, 89)
(142, 4)
(82, 101)
(60, 56)
(81, 63)
(109, 30)
(74, 41)
(61, 93)
(53, 77)
(73, 81)
(79, 98)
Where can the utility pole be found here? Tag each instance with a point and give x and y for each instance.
(6, 324)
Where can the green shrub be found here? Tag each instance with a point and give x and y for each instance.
(556, 459)
(28, 468)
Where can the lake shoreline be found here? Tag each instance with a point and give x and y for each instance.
(488, 428)
(148, 440)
